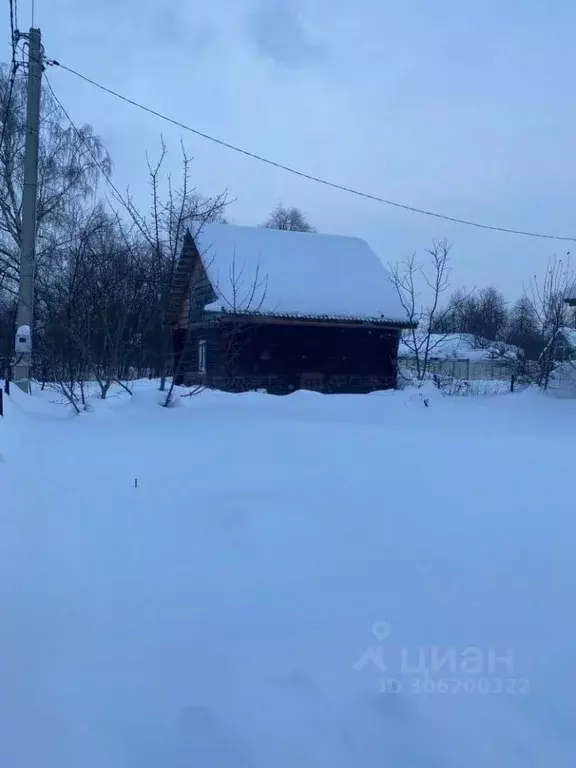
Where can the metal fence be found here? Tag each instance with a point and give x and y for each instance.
(465, 369)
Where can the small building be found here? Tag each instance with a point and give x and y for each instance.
(276, 310)
(460, 355)
(565, 344)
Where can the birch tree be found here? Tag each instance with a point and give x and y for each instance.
(70, 163)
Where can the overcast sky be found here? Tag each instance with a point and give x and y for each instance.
(466, 108)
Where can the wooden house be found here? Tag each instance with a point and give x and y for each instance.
(275, 310)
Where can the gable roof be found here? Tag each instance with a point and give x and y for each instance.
(297, 274)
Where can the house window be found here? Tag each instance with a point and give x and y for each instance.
(202, 357)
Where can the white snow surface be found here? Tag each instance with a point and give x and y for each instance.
(219, 614)
(452, 346)
(296, 273)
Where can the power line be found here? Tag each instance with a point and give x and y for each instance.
(308, 176)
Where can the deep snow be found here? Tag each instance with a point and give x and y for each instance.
(214, 615)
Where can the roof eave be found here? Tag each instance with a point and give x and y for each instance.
(263, 317)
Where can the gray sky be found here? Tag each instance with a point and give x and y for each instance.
(463, 108)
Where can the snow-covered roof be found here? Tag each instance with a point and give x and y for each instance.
(571, 295)
(451, 346)
(569, 334)
(281, 272)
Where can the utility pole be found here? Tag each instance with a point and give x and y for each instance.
(23, 345)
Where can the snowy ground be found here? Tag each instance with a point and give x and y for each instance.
(237, 608)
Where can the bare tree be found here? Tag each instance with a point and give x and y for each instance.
(483, 315)
(117, 280)
(172, 211)
(243, 296)
(99, 316)
(289, 219)
(65, 330)
(523, 332)
(548, 299)
(408, 278)
(103, 281)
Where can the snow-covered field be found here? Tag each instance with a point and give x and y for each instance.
(301, 581)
